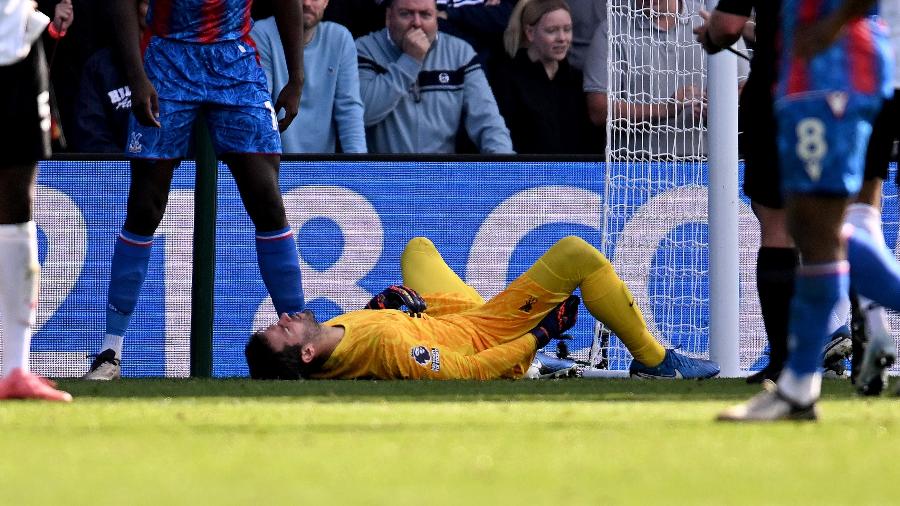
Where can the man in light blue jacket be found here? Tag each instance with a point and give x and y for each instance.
(330, 107)
(419, 87)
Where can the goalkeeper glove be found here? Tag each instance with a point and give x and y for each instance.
(396, 297)
(557, 321)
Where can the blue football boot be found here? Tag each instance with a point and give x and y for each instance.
(676, 366)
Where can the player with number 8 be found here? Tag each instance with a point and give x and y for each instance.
(833, 76)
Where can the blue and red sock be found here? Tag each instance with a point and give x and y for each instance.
(279, 265)
(130, 261)
(817, 290)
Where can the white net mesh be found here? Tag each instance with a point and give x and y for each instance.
(657, 74)
(656, 179)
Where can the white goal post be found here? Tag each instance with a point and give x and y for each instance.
(671, 208)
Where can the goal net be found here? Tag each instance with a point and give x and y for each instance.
(656, 182)
(655, 214)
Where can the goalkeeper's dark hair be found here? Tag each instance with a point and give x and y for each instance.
(268, 364)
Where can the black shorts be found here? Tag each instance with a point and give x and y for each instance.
(25, 108)
(885, 130)
(762, 178)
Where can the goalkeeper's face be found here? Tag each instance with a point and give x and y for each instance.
(297, 329)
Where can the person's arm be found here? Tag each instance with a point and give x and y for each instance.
(598, 107)
(144, 100)
(719, 30)
(383, 85)
(484, 124)
(63, 16)
(814, 38)
(288, 17)
(596, 86)
(414, 359)
(348, 106)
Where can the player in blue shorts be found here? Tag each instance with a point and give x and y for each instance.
(198, 56)
(833, 76)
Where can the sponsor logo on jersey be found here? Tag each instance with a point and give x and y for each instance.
(421, 355)
(529, 305)
(435, 360)
(444, 78)
(134, 143)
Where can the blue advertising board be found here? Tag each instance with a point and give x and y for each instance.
(490, 220)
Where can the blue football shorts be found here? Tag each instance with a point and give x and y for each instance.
(225, 81)
(822, 139)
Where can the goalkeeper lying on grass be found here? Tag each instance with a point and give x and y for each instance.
(460, 336)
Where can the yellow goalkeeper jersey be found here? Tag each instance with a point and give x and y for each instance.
(391, 344)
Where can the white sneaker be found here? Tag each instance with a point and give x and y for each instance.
(105, 367)
(768, 406)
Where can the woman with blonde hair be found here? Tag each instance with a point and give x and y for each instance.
(539, 94)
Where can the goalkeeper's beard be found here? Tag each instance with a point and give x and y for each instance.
(307, 368)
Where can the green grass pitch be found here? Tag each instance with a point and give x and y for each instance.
(563, 442)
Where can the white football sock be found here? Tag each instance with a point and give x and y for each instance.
(19, 285)
(803, 390)
(112, 342)
(867, 218)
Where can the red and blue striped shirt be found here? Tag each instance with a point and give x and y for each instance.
(203, 21)
(859, 62)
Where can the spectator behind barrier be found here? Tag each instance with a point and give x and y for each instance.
(539, 94)
(586, 17)
(660, 39)
(104, 100)
(64, 63)
(419, 86)
(361, 17)
(479, 22)
(330, 106)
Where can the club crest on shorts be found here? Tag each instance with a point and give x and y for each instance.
(421, 355)
(134, 143)
(529, 305)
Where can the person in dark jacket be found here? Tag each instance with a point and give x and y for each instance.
(104, 104)
(539, 94)
(104, 100)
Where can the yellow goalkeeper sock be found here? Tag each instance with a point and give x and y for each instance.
(610, 301)
(572, 262)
